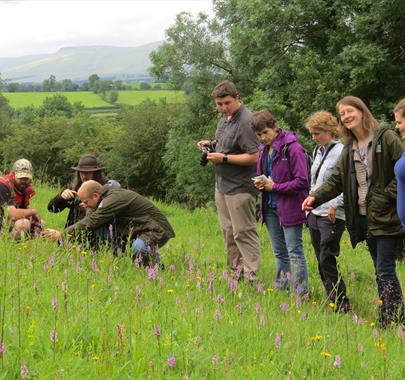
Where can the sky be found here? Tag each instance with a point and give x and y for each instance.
(37, 27)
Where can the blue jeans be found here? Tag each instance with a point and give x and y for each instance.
(383, 250)
(289, 251)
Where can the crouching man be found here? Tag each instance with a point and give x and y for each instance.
(15, 192)
(122, 216)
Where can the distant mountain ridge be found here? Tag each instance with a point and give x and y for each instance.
(78, 63)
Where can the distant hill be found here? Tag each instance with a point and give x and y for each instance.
(78, 63)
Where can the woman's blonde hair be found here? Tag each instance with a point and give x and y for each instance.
(400, 107)
(323, 121)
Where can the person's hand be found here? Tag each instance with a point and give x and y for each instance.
(68, 194)
(51, 234)
(216, 157)
(308, 202)
(332, 214)
(264, 185)
(201, 144)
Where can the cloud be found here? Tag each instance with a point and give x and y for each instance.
(34, 27)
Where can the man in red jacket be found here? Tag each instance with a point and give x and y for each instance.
(16, 192)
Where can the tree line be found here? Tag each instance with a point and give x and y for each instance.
(292, 57)
(94, 83)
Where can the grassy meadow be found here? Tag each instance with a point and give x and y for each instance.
(25, 99)
(68, 313)
(138, 96)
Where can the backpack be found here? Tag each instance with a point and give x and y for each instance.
(309, 158)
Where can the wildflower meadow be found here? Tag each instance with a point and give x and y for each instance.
(72, 313)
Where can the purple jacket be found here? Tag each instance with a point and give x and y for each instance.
(290, 178)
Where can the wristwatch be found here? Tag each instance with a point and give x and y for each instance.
(225, 158)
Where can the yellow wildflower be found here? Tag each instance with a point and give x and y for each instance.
(380, 346)
(316, 337)
(325, 354)
(28, 309)
(332, 305)
(93, 286)
(380, 302)
(372, 324)
(170, 291)
(95, 358)
(314, 303)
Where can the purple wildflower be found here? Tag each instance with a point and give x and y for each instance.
(177, 300)
(151, 273)
(53, 336)
(283, 307)
(260, 288)
(24, 371)
(171, 362)
(375, 333)
(157, 332)
(215, 360)
(338, 361)
(2, 349)
(257, 308)
(400, 333)
(78, 267)
(225, 274)
(220, 299)
(239, 308)
(278, 341)
(217, 315)
(262, 320)
(233, 284)
(94, 265)
(190, 265)
(51, 261)
(54, 303)
(172, 268)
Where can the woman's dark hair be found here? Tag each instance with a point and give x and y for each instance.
(261, 120)
(368, 121)
(97, 176)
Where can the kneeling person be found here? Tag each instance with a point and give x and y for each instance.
(132, 217)
(15, 192)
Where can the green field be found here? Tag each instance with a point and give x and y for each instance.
(25, 99)
(91, 100)
(68, 313)
(135, 97)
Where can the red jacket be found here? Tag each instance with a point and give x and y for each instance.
(21, 198)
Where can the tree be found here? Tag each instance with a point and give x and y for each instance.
(113, 96)
(138, 148)
(50, 83)
(144, 86)
(57, 105)
(93, 78)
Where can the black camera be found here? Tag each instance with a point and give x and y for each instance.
(75, 201)
(207, 148)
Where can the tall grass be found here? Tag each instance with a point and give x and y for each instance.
(74, 314)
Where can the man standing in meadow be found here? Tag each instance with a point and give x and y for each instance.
(234, 159)
(122, 216)
(15, 192)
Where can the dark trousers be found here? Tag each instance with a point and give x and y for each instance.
(325, 237)
(383, 250)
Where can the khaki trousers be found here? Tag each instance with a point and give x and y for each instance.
(238, 223)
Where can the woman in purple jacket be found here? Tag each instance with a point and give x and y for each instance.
(283, 162)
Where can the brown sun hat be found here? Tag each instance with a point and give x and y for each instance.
(87, 163)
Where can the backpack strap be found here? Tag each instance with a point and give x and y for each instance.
(323, 160)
